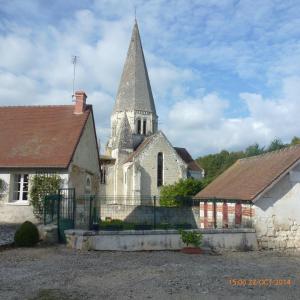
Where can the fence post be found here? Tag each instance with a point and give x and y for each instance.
(154, 212)
(45, 210)
(251, 223)
(215, 214)
(58, 215)
(90, 215)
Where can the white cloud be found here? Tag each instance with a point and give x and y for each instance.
(259, 43)
(202, 123)
(205, 112)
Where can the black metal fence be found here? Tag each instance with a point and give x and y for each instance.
(142, 213)
(152, 212)
(60, 209)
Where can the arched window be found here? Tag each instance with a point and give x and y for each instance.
(144, 127)
(139, 126)
(88, 184)
(160, 166)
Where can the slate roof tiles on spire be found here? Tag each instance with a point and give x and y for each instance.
(134, 91)
(124, 138)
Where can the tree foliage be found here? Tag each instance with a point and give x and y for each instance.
(254, 150)
(276, 144)
(295, 140)
(215, 164)
(42, 185)
(173, 194)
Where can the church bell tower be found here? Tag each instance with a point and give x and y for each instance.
(134, 115)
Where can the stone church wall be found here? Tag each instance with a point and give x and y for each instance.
(173, 167)
(277, 219)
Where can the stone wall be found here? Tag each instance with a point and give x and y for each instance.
(277, 217)
(145, 214)
(131, 240)
(173, 166)
(278, 237)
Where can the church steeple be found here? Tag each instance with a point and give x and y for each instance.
(134, 93)
(134, 99)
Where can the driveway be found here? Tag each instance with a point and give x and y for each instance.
(58, 273)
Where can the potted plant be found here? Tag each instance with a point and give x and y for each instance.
(191, 238)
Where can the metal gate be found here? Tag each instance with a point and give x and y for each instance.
(60, 209)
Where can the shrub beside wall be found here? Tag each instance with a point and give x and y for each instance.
(27, 235)
(42, 185)
(174, 194)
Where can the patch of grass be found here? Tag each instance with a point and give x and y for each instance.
(53, 294)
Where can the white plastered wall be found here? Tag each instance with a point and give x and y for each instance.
(277, 213)
(18, 212)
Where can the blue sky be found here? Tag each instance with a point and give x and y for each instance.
(224, 74)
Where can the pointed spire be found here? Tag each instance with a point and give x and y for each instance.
(124, 138)
(134, 91)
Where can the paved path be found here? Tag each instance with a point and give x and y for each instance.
(58, 273)
(7, 233)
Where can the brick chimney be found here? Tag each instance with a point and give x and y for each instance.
(80, 102)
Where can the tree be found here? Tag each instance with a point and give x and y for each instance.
(276, 144)
(42, 185)
(215, 164)
(254, 150)
(173, 194)
(295, 140)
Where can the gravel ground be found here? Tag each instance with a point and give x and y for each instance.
(7, 233)
(50, 273)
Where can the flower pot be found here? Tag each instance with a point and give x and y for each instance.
(191, 250)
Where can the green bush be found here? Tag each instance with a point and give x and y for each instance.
(27, 235)
(175, 194)
(191, 238)
(42, 185)
(115, 224)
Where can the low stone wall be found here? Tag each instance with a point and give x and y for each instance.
(48, 233)
(131, 240)
(278, 236)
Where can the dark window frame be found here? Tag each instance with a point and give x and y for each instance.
(139, 126)
(160, 169)
(144, 127)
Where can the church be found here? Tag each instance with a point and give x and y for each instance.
(139, 159)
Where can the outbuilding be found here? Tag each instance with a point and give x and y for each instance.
(272, 183)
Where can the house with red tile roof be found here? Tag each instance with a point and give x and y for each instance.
(46, 140)
(271, 182)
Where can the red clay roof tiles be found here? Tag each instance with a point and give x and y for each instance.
(249, 177)
(39, 136)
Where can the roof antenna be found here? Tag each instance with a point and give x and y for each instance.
(74, 62)
(135, 13)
